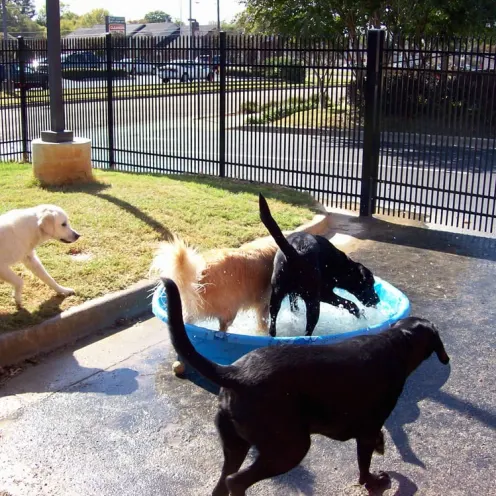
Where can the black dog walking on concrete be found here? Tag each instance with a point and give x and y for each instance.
(274, 398)
(311, 267)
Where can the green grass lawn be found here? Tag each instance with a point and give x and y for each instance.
(122, 218)
(99, 91)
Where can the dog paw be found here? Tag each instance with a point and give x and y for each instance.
(354, 310)
(65, 291)
(18, 300)
(379, 480)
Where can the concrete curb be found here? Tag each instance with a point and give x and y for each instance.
(75, 323)
(95, 315)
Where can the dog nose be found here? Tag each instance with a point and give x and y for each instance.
(76, 236)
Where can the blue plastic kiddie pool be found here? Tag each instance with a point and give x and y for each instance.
(227, 347)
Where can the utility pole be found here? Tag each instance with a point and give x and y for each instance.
(57, 133)
(190, 29)
(59, 158)
(4, 19)
(191, 18)
(218, 16)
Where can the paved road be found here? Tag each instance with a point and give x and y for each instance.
(84, 117)
(449, 177)
(181, 134)
(107, 418)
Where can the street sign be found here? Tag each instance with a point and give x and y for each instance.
(117, 28)
(115, 24)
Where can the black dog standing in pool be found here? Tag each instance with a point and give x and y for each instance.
(312, 267)
(275, 397)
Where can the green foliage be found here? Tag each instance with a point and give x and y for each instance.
(65, 15)
(19, 23)
(250, 107)
(229, 27)
(325, 18)
(80, 74)
(289, 70)
(463, 101)
(69, 21)
(26, 7)
(157, 16)
(90, 19)
(277, 110)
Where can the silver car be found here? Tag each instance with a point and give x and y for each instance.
(136, 66)
(185, 70)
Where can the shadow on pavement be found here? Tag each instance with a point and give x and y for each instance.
(63, 373)
(424, 383)
(383, 231)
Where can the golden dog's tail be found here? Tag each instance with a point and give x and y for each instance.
(183, 264)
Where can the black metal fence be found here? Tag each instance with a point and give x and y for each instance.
(389, 125)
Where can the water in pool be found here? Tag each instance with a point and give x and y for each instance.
(333, 320)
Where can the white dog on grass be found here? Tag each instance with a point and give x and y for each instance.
(21, 231)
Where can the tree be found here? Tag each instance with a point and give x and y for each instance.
(354, 17)
(26, 7)
(90, 19)
(350, 19)
(41, 14)
(68, 20)
(157, 16)
(229, 27)
(19, 23)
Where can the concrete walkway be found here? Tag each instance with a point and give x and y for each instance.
(107, 417)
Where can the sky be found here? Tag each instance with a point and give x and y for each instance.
(204, 11)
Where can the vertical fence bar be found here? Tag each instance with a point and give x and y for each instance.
(371, 138)
(222, 106)
(110, 100)
(21, 57)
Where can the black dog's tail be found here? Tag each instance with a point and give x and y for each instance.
(274, 229)
(220, 375)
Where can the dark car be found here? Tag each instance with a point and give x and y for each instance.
(74, 60)
(81, 60)
(32, 78)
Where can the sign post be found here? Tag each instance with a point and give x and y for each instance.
(57, 132)
(58, 157)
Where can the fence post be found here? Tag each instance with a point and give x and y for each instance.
(110, 99)
(21, 58)
(372, 131)
(222, 106)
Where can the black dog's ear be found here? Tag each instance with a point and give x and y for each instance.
(439, 346)
(441, 352)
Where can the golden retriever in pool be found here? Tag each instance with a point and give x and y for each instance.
(219, 283)
(21, 231)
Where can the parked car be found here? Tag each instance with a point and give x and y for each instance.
(39, 64)
(81, 60)
(32, 79)
(74, 60)
(212, 61)
(185, 70)
(136, 66)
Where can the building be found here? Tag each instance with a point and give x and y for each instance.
(157, 42)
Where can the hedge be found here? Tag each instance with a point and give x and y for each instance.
(466, 99)
(80, 74)
(451, 102)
